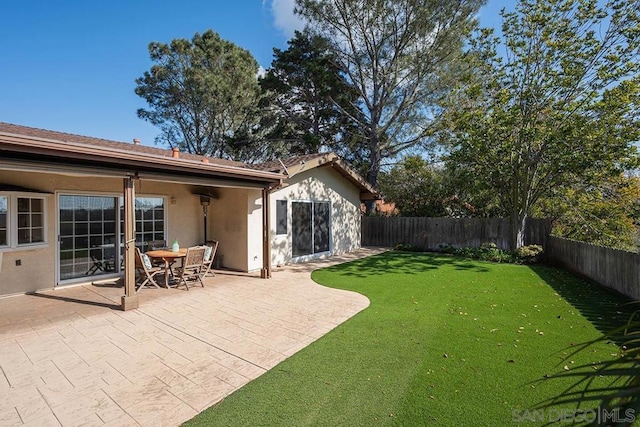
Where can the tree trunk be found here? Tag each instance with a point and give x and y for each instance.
(375, 159)
(518, 227)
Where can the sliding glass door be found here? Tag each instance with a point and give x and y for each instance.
(310, 228)
(87, 236)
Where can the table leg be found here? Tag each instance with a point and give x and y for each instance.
(167, 266)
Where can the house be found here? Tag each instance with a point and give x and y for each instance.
(73, 208)
(316, 210)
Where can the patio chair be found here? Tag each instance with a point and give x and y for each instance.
(209, 255)
(145, 271)
(192, 265)
(105, 265)
(153, 245)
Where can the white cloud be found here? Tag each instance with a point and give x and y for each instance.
(261, 71)
(283, 17)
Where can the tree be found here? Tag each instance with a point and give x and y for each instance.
(559, 110)
(415, 188)
(606, 215)
(397, 54)
(303, 87)
(203, 93)
(420, 189)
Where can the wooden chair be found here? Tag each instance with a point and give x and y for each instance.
(153, 245)
(145, 271)
(209, 255)
(192, 265)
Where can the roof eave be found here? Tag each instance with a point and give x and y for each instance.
(70, 151)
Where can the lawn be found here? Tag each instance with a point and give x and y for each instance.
(446, 341)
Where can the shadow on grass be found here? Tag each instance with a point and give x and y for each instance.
(399, 262)
(607, 310)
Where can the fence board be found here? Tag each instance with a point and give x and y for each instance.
(433, 233)
(613, 268)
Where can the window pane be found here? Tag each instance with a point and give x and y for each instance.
(66, 228)
(4, 206)
(37, 235)
(281, 217)
(321, 227)
(81, 228)
(37, 205)
(81, 215)
(23, 204)
(301, 229)
(95, 228)
(23, 220)
(66, 243)
(24, 236)
(36, 220)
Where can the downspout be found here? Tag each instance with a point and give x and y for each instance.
(129, 300)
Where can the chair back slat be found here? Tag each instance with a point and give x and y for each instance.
(194, 257)
(153, 245)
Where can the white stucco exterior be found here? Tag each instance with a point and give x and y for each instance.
(318, 184)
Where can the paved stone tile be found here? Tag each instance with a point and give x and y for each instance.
(10, 417)
(69, 357)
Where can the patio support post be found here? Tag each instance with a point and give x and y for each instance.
(265, 273)
(130, 297)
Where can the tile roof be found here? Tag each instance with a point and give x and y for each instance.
(99, 142)
(276, 166)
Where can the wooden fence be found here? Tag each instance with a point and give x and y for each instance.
(615, 269)
(434, 233)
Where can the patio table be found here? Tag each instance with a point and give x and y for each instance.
(169, 257)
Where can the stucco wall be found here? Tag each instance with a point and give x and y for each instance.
(254, 230)
(228, 225)
(320, 184)
(38, 266)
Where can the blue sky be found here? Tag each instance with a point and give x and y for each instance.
(71, 66)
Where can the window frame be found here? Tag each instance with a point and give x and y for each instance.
(282, 221)
(313, 254)
(12, 221)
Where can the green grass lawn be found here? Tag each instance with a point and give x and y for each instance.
(446, 341)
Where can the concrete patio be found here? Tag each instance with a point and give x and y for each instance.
(71, 357)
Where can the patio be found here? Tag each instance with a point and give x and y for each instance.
(72, 357)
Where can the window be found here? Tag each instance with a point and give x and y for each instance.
(310, 227)
(149, 219)
(22, 220)
(87, 226)
(4, 240)
(30, 221)
(281, 217)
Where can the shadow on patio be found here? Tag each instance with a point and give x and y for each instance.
(70, 356)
